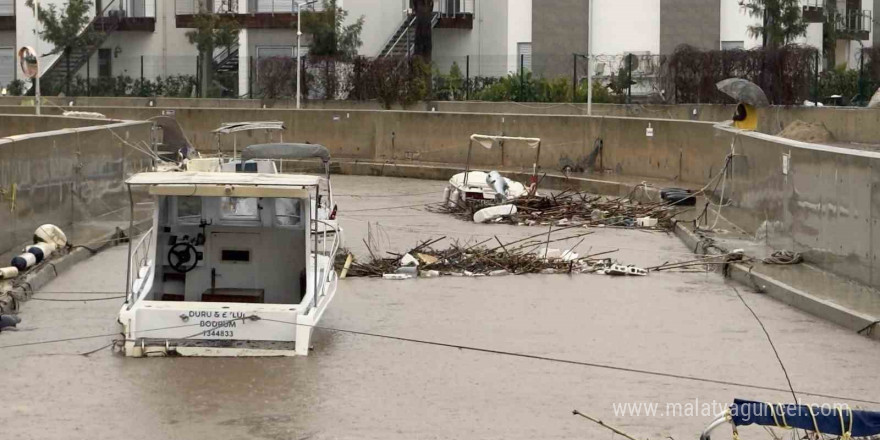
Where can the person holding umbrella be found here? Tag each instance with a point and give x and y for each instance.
(749, 96)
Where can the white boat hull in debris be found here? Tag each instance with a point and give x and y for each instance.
(478, 188)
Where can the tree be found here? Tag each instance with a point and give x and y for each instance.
(330, 36)
(424, 44)
(67, 28)
(781, 21)
(211, 30)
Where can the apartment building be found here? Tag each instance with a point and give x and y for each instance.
(148, 37)
(484, 37)
(651, 27)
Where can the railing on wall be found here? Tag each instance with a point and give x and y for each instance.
(131, 9)
(856, 21)
(7, 8)
(192, 7)
(451, 8)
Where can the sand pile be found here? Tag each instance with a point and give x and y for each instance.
(806, 132)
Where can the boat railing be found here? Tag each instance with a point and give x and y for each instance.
(328, 250)
(138, 258)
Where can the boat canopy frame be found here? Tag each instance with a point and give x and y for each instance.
(487, 141)
(236, 127)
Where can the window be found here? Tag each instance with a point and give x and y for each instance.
(237, 256)
(288, 212)
(7, 66)
(105, 66)
(523, 56)
(732, 45)
(189, 209)
(239, 208)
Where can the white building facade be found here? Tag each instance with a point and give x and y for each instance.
(147, 38)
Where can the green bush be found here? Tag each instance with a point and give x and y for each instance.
(840, 81)
(15, 88)
(178, 86)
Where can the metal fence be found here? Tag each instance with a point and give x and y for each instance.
(130, 8)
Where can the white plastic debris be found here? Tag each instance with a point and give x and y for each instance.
(51, 234)
(408, 270)
(646, 222)
(409, 260)
(491, 213)
(569, 256)
(636, 271)
(429, 274)
(499, 273)
(396, 276)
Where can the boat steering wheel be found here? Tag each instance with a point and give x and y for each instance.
(183, 257)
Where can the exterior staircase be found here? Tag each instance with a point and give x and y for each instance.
(55, 76)
(226, 59)
(403, 41)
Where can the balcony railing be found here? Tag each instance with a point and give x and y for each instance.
(192, 7)
(855, 25)
(454, 8)
(131, 9)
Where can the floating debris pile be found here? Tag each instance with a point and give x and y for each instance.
(490, 257)
(566, 208)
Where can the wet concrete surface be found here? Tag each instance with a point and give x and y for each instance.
(354, 386)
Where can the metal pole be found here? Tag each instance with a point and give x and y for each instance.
(574, 77)
(629, 78)
(816, 81)
(39, 64)
(522, 77)
(590, 59)
(298, 59)
(89, 77)
(467, 76)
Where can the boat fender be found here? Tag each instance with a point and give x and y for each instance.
(50, 234)
(24, 261)
(7, 273)
(41, 251)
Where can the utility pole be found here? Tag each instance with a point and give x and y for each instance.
(37, 49)
(590, 59)
(299, 6)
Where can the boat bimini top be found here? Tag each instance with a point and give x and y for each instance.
(822, 419)
(288, 151)
(235, 127)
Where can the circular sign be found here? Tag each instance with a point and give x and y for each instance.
(30, 64)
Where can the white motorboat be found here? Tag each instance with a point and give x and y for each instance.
(230, 267)
(479, 186)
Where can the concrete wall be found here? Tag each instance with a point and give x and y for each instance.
(72, 178)
(827, 204)
(11, 125)
(693, 22)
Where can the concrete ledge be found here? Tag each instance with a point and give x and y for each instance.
(827, 310)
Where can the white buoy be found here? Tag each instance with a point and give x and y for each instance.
(491, 213)
(50, 234)
(41, 251)
(24, 261)
(7, 273)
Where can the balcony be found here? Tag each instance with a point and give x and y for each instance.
(7, 15)
(127, 15)
(455, 14)
(260, 14)
(813, 11)
(855, 25)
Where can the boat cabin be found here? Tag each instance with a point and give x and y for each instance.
(225, 246)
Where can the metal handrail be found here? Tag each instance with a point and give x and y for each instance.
(405, 32)
(855, 21)
(134, 266)
(331, 256)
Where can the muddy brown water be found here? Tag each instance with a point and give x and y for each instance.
(353, 387)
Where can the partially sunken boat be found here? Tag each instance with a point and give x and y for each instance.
(231, 266)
